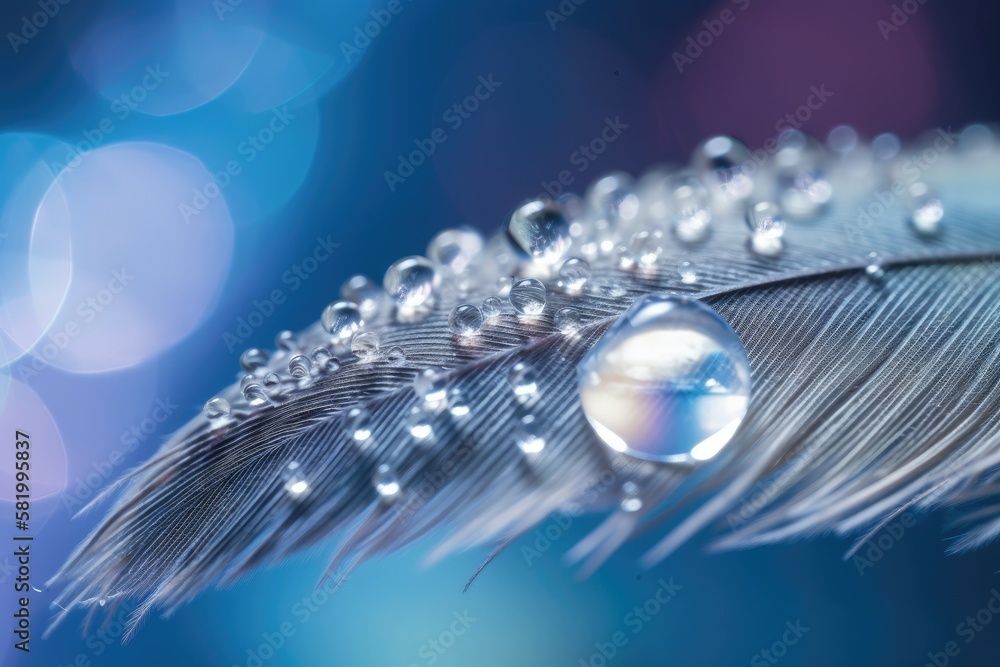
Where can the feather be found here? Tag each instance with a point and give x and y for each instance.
(871, 394)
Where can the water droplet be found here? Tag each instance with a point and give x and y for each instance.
(430, 384)
(568, 320)
(455, 250)
(295, 481)
(539, 229)
(359, 424)
(217, 407)
(800, 179)
(630, 499)
(342, 320)
(723, 161)
(492, 307)
(574, 274)
(386, 482)
(254, 395)
(523, 379)
(412, 282)
(646, 247)
(365, 346)
(253, 359)
(874, 268)
(614, 197)
(102, 601)
(420, 423)
(325, 362)
(458, 406)
(247, 380)
(670, 381)
(926, 210)
(285, 340)
(272, 380)
(365, 293)
(299, 366)
(396, 356)
(689, 201)
(528, 296)
(465, 320)
(625, 259)
(764, 218)
(688, 272)
(528, 438)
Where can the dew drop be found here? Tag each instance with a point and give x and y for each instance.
(412, 282)
(527, 296)
(217, 407)
(688, 272)
(247, 380)
(253, 359)
(465, 320)
(299, 366)
(523, 379)
(574, 274)
(568, 320)
(669, 382)
(396, 356)
(342, 320)
(386, 482)
(492, 307)
(359, 424)
(285, 340)
(614, 197)
(325, 362)
(689, 203)
(420, 423)
(765, 219)
(430, 384)
(255, 395)
(528, 438)
(646, 247)
(272, 380)
(365, 345)
(630, 499)
(926, 210)
(458, 406)
(295, 481)
(454, 250)
(723, 161)
(363, 292)
(874, 269)
(540, 230)
(102, 601)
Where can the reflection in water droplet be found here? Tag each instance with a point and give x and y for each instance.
(568, 320)
(217, 407)
(723, 161)
(253, 359)
(295, 481)
(411, 282)
(539, 229)
(926, 210)
(299, 366)
(465, 320)
(386, 482)
(365, 346)
(630, 499)
(528, 296)
(574, 274)
(523, 379)
(874, 268)
(342, 320)
(430, 384)
(492, 307)
(254, 395)
(670, 381)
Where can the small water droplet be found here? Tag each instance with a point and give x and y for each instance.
(646, 247)
(574, 274)
(430, 384)
(247, 380)
(217, 407)
(492, 307)
(527, 296)
(295, 481)
(630, 499)
(102, 601)
(325, 362)
(253, 359)
(386, 482)
(412, 282)
(465, 320)
(874, 268)
(342, 320)
(523, 379)
(689, 202)
(670, 381)
(420, 423)
(528, 438)
(272, 380)
(285, 340)
(568, 320)
(396, 356)
(365, 346)
(688, 272)
(723, 161)
(539, 229)
(614, 197)
(765, 219)
(454, 250)
(254, 395)
(926, 210)
(359, 424)
(458, 406)
(625, 259)
(299, 366)
(365, 293)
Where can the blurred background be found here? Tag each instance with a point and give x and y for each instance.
(182, 180)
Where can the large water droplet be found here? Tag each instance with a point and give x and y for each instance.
(528, 296)
(255, 395)
(411, 282)
(454, 250)
(767, 226)
(465, 320)
(539, 229)
(386, 482)
(299, 366)
(926, 210)
(217, 407)
(492, 307)
(365, 346)
(253, 359)
(724, 162)
(670, 381)
(342, 320)
(574, 274)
